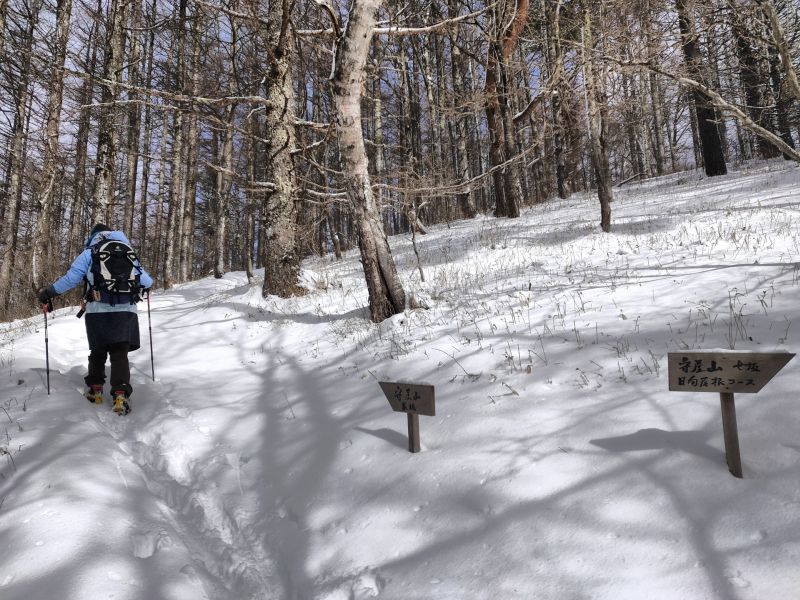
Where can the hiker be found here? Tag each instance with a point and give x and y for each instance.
(114, 279)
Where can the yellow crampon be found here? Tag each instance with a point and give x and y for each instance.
(121, 406)
(95, 395)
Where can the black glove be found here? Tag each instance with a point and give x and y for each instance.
(45, 294)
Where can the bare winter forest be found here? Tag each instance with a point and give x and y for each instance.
(240, 134)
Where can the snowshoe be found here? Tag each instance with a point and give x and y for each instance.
(121, 405)
(94, 394)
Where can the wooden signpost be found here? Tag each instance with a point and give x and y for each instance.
(414, 399)
(725, 373)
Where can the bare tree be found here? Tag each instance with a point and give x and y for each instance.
(597, 107)
(50, 163)
(17, 158)
(280, 202)
(386, 294)
(710, 142)
(509, 18)
(103, 192)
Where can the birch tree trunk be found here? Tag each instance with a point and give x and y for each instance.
(555, 60)
(249, 199)
(148, 137)
(461, 158)
(134, 117)
(223, 187)
(156, 256)
(186, 225)
(176, 196)
(50, 163)
(386, 294)
(107, 137)
(597, 106)
(177, 186)
(81, 204)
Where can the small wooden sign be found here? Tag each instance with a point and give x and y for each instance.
(732, 372)
(414, 399)
(725, 373)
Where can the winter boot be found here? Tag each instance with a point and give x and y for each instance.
(121, 406)
(94, 393)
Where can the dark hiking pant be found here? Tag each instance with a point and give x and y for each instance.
(120, 368)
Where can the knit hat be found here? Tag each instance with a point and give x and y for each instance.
(98, 227)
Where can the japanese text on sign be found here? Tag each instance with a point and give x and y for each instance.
(729, 372)
(410, 397)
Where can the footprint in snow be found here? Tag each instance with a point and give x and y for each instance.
(147, 543)
(736, 579)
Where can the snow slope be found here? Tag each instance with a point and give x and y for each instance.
(264, 462)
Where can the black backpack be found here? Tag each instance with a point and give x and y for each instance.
(114, 272)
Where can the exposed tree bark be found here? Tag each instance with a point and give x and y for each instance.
(282, 265)
(781, 102)
(188, 204)
(176, 201)
(386, 294)
(741, 117)
(754, 76)
(711, 64)
(162, 196)
(3, 13)
(250, 199)
(597, 107)
(461, 155)
(148, 138)
(10, 227)
(135, 60)
(657, 123)
(177, 195)
(222, 192)
(781, 44)
(555, 62)
(508, 190)
(51, 167)
(81, 212)
(631, 118)
(103, 192)
(710, 142)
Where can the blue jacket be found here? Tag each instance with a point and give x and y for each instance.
(81, 269)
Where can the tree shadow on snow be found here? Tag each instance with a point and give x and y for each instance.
(693, 442)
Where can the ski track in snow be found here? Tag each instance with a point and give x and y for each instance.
(263, 462)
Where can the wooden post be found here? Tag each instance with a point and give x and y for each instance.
(726, 373)
(414, 399)
(413, 432)
(731, 434)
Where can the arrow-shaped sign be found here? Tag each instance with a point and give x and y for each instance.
(732, 372)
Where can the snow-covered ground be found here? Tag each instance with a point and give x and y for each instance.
(264, 461)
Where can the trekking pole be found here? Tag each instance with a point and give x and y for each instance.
(150, 327)
(48, 306)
